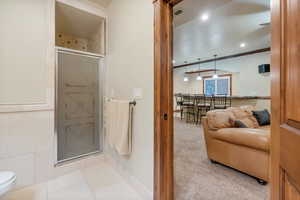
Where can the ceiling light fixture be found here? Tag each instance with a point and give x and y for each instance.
(199, 77)
(173, 61)
(215, 76)
(185, 78)
(204, 17)
(242, 45)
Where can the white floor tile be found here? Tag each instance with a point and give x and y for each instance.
(73, 192)
(100, 182)
(108, 185)
(36, 192)
(71, 186)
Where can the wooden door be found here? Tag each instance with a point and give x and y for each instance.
(286, 100)
(78, 118)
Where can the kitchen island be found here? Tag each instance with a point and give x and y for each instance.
(259, 102)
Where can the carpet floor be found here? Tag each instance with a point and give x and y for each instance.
(196, 178)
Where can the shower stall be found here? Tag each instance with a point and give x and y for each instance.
(80, 49)
(78, 110)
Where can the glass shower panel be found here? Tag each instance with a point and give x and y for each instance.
(77, 105)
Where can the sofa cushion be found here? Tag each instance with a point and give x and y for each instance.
(244, 114)
(248, 108)
(254, 138)
(218, 119)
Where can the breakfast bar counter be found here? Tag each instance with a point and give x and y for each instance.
(259, 102)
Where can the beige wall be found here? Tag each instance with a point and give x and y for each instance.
(130, 65)
(27, 61)
(16, 37)
(246, 80)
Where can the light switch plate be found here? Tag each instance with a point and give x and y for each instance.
(137, 93)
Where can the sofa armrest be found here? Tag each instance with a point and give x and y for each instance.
(254, 138)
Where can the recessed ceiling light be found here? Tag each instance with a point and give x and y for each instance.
(173, 61)
(204, 17)
(242, 45)
(185, 79)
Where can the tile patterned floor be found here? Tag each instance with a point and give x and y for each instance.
(100, 182)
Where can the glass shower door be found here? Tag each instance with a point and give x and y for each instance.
(77, 105)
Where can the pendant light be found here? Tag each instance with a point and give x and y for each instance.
(185, 78)
(215, 76)
(199, 77)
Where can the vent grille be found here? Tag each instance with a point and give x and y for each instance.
(178, 12)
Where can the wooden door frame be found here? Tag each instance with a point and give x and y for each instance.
(163, 97)
(277, 92)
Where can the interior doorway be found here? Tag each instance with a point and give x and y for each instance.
(221, 70)
(164, 132)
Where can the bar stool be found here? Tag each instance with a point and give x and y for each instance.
(188, 106)
(203, 105)
(220, 102)
(179, 104)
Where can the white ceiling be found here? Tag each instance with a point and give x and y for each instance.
(103, 3)
(230, 23)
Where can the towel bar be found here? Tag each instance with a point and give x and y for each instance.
(130, 103)
(133, 103)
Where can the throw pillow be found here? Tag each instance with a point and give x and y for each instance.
(239, 124)
(263, 117)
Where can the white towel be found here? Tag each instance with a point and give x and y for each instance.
(119, 131)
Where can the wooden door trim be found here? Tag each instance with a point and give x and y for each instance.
(277, 92)
(163, 99)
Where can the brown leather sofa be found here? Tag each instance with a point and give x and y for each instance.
(244, 149)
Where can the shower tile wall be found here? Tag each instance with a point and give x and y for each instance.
(27, 148)
(26, 145)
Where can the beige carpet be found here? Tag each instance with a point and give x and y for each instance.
(196, 178)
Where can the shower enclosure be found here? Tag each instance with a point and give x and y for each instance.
(78, 104)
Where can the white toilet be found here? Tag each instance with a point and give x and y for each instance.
(7, 181)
